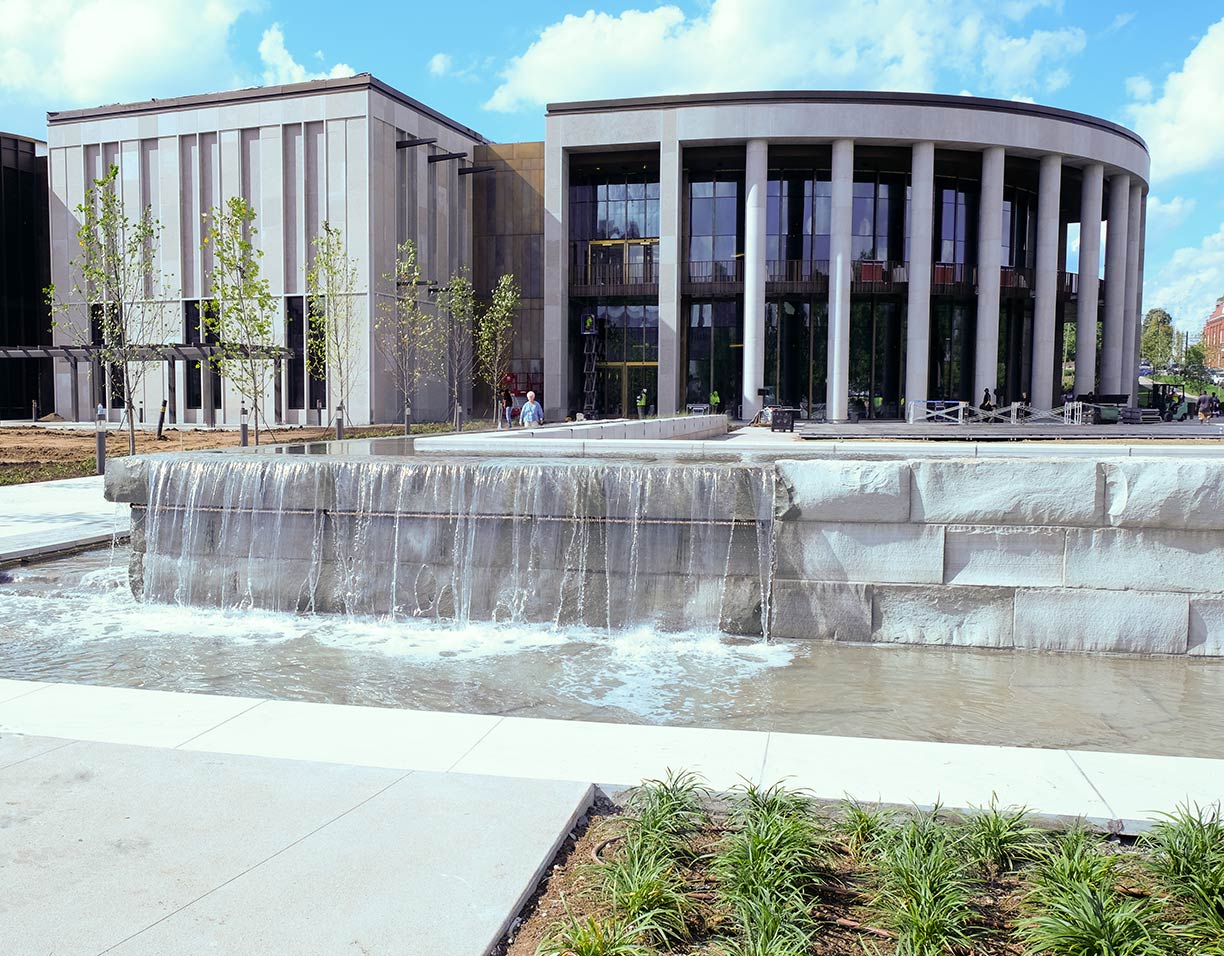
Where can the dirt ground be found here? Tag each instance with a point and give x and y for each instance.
(40, 453)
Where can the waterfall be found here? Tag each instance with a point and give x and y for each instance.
(679, 546)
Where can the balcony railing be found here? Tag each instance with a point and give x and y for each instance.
(614, 267)
(718, 272)
(1068, 284)
(953, 278)
(1015, 283)
(613, 273)
(878, 275)
(798, 274)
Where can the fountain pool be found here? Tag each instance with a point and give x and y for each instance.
(74, 619)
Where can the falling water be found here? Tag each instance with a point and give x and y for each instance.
(609, 545)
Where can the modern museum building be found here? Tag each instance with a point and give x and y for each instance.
(846, 254)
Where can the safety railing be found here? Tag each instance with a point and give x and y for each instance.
(1015, 413)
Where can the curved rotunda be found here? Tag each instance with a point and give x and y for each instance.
(765, 247)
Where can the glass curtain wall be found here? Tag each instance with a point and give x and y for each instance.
(614, 224)
(1016, 282)
(953, 302)
(715, 223)
(796, 352)
(714, 352)
(798, 213)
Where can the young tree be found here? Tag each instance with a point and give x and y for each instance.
(457, 313)
(494, 336)
(407, 332)
(333, 349)
(115, 278)
(1156, 338)
(240, 314)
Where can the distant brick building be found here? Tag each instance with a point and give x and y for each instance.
(1213, 336)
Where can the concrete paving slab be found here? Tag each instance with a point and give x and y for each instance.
(101, 841)
(368, 736)
(958, 775)
(1138, 787)
(10, 689)
(48, 516)
(15, 748)
(118, 714)
(435, 864)
(614, 754)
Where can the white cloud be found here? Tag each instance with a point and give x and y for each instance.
(1184, 126)
(1119, 21)
(1166, 215)
(279, 66)
(440, 64)
(1139, 88)
(1190, 282)
(66, 53)
(736, 44)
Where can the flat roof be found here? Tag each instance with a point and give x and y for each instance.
(862, 97)
(360, 81)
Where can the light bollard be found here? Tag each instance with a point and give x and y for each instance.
(242, 428)
(340, 422)
(100, 439)
(161, 419)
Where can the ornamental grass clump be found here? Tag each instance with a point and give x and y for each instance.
(644, 886)
(862, 827)
(1075, 909)
(768, 869)
(923, 889)
(1186, 856)
(666, 812)
(591, 936)
(997, 841)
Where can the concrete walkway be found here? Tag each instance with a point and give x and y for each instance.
(1122, 791)
(142, 851)
(46, 517)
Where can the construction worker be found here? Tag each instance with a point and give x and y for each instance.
(715, 401)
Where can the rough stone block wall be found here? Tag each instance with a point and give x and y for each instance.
(1081, 555)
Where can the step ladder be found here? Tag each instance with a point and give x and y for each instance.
(590, 358)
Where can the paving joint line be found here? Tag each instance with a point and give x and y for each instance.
(254, 866)
(258, 703)
(765, 757)
(466, 753)
(26, 693)
(1113, 814)
(41, 753)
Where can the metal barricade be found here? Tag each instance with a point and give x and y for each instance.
(937, 410)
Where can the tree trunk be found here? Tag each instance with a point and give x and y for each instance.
(407, 417)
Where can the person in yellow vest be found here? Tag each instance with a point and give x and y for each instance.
(641, 403)
(715, 401)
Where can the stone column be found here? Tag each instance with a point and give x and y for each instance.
(918, 313)
(1142, 224)
(1113, 339)
(671, 202)
(556, 283)
(990, 251)
(838, 381)
(1045, 309)
(1130, 317)
(1089, 279)
(756, 181)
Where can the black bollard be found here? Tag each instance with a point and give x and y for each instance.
(100, 440)
(242, 428)
(340, 422)
(161, 420)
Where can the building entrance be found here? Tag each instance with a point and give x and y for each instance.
(618, 386)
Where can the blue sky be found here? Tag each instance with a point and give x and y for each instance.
(1158, 68)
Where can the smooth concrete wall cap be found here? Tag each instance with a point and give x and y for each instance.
(1003, 491)
(834, 490)
(849, 551)
(821, 610)
(1169, 493)
(1005, 556)
(1206, 627)
(1133, 622)
(958, 616)
(1150, 559)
